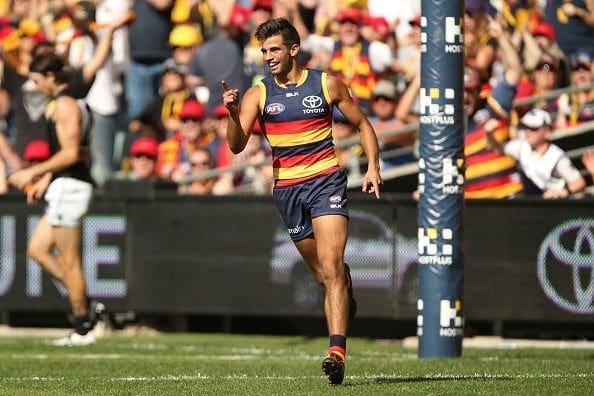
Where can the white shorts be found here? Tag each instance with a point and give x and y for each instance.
(68, 200)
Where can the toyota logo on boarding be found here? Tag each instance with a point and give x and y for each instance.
(569, 247)
(312, 101)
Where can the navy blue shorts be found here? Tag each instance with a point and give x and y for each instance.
(324, 195)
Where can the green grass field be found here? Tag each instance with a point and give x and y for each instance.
(216, 364)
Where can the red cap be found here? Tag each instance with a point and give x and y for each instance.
(221, 111)
(192, 109)
(350, 14)
(379, 24)
(145, 146)
(240, 15)
(37, 150)
(262, 4)
(545, 29)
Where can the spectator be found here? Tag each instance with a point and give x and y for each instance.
(342, 129)
(378, 29)
(143, 152)
(577, 107)
(200, 161)
(384, 119)
(219, 58)
(543, 39)
(162, 112)
(184, 40)
(356, 62)
(409, 53)
(488, 174)
(545, 78)
(148, 38)
(27, 105)
(106, 94)
(574, 23)
(257, 177)
(479, 45)
(546, 170)
(82, 44)
(174, 153)
(223, 157)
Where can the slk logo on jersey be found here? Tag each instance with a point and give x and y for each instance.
(275, 108)
(312, 101)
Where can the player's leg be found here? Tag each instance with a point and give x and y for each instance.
(68, 201)
(40, 248)
(68, 244)
(331, 234)
(324, 255)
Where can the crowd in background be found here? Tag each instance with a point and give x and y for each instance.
(150, 73)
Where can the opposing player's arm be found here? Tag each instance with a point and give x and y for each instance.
(341, 98)
(241, 119)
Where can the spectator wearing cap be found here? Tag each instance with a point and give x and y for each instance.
(546, 170)
(489, 174)
(377, 28)
(543, 39)
(148, 38)
(162, 112)
(385, 117)
(577, 107)
(184, 39)
(355, 61)
(143, 152)
(174, 153)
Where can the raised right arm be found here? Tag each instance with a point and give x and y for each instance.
(241, 119)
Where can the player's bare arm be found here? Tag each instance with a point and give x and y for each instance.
(341, 97)
(241, 121)
(67, 117)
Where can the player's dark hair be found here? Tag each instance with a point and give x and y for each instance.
(278, 26)
(51, 63)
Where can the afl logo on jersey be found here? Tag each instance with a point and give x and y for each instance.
(275, 108)
(312, 101)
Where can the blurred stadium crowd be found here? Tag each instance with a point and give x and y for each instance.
(150, 73)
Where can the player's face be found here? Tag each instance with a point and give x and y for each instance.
(277, 55)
